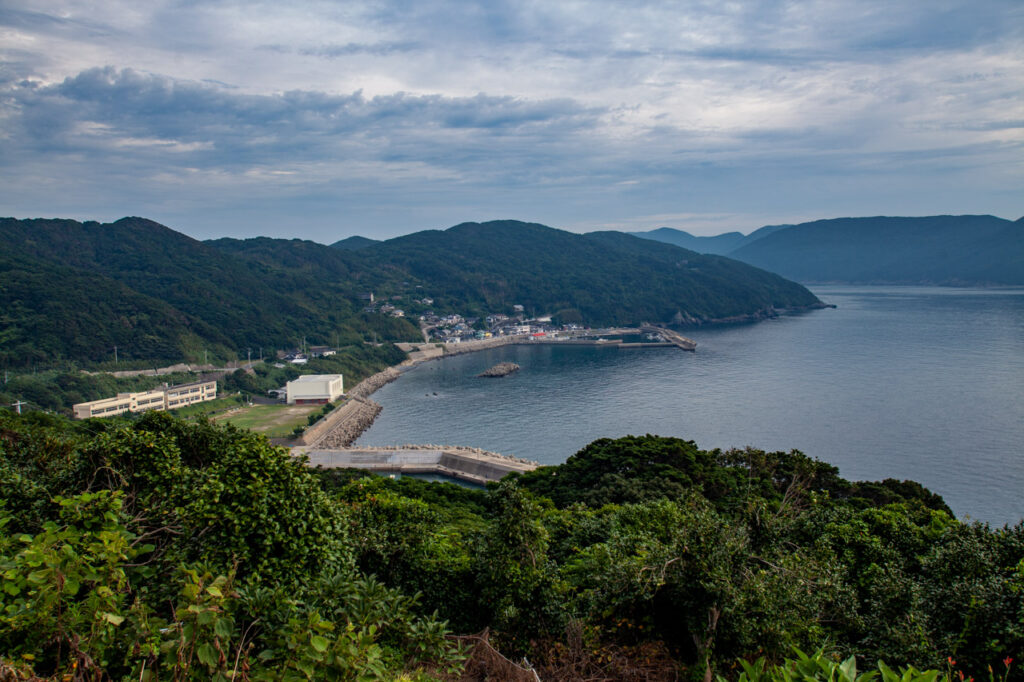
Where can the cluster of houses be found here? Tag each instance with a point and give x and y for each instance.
(300, 357)
(454, 328)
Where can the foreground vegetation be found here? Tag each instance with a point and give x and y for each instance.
(169, 550)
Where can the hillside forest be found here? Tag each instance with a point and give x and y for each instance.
(154, 548)
(84, 295)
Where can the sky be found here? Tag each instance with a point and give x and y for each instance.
(322, 120)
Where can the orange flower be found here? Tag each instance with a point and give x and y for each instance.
(1007, 661)
(950, 660)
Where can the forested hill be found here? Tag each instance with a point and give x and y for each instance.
(598, 278)
(74, 291)
(946, 250)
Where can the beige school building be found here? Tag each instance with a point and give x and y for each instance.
(167, 398)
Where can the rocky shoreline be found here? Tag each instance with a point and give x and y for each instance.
(353, 419)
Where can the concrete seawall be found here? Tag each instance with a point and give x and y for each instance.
(467, 464)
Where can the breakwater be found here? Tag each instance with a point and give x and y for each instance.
(344, 425)
(367, 386)
(467, 464)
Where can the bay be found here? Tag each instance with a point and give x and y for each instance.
(896, 382)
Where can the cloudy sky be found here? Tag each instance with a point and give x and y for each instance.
(327, 119)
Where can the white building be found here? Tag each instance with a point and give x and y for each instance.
(315, 389)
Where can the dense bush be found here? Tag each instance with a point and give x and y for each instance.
(181, 550)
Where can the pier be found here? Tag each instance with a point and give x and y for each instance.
(671, 337)
(465, 464)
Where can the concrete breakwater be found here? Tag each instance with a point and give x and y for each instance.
(344, 425)
(468, 464)
(367, 386)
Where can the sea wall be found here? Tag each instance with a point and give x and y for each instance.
(468, 464)
(341, 427)
(366, 387)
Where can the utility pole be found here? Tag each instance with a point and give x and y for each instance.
(18, 405)
(249, 351)
(115, 359)
(204, 356)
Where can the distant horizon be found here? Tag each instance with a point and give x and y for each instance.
(323, 120)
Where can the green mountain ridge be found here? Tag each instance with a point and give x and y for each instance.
(601, 278)
(354, 243)
(944, 250)
(73, 290)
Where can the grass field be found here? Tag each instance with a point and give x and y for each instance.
(210, 407)
(273, 421)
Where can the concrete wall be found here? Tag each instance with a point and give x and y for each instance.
(465, 464)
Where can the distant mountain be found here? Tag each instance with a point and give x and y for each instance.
(721, 244)
(354, 243)
(947, 250)
(600, 278)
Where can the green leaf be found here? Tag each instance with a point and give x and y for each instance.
(320, 643)
(223, 628)
(207, 654)
(113, 618)
(39, 576)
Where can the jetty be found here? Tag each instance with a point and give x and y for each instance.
(472, 465)
(671, 337)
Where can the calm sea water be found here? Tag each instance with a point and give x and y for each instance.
(897, 382)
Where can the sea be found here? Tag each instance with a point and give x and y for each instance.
(921, 383)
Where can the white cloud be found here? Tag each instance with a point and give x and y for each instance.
(575, 111)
